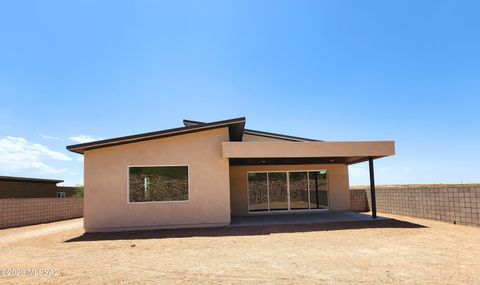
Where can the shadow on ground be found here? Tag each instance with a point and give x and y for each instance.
(244, 231)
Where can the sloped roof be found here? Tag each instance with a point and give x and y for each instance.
(235, 129)
(258, 133)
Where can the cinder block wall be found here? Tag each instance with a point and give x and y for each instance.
(30, 211)
(358, 201)
(460, 204)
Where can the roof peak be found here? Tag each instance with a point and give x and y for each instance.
(187, 122)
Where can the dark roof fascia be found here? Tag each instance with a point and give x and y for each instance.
(28, 179)
(287, 161)
(188, 123)
(259, 133)
(235, 128)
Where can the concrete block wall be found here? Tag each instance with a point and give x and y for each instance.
(17, 212)
(358, 201)
(459, 204)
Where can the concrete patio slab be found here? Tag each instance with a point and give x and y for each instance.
(300, 218)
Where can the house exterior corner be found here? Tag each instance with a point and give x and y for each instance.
(107, 207)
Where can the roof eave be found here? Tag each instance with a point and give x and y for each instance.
(28, 179)
(236, 127)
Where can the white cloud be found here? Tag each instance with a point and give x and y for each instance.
(409, 169)
(47, 137)
(83, 138)
(18, 154)
(80, 158)
(357, 171)
(72, 183)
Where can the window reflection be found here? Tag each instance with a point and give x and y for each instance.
(290, 190)
(257, 192)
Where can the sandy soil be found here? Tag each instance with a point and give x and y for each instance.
(405, 250)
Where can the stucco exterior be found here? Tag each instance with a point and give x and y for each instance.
(338, 184)
(218, 155)
(106, 184)
(308, 149)
(256, 138)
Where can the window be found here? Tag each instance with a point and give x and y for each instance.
(157, 183)
(60, 194)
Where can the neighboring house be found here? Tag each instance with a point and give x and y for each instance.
(23, 187)
(202, 174)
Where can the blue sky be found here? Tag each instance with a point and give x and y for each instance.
(407, 71)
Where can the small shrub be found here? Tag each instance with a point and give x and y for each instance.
(79, 192)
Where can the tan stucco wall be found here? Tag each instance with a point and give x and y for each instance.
(308, 149)
(255, 138)
(338, 184)
(106, 179)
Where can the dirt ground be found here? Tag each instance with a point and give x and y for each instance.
(405, 250)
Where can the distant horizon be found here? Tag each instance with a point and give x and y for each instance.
(74, 72)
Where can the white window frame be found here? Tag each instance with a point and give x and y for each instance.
(289, 210)
(160, 202)
(62, 194)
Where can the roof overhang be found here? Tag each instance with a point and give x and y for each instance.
(257, 153)
(28, 179)
(235, 131)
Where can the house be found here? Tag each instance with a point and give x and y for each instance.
(202, 174)
(25, 187)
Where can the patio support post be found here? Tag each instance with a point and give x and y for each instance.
(372, 187)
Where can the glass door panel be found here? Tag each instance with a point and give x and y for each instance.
(278, 192)
(257, 192)
(298, 190)
(318, 189)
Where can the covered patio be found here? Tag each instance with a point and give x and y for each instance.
(299, 159)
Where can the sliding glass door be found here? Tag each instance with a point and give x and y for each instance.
(318, 189)
(287, 190)
(298, 190)
(257, 192)
(278, 191)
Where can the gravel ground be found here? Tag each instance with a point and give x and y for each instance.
(404, 250)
